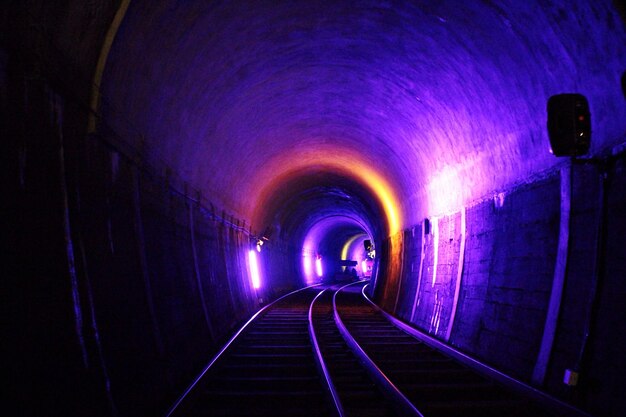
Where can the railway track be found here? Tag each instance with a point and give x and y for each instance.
(268, 369)
(358, 395)
(328, 351)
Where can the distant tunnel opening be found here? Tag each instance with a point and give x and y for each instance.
(323, 216)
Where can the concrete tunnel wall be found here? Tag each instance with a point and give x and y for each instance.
(221, 122)
(483, 283)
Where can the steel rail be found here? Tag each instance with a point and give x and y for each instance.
(402, 404)
(552, 403)
(320, 360)
(173, 408)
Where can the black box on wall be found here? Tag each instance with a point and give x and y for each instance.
(569, 124)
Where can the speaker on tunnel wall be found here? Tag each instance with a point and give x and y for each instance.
(569, 124)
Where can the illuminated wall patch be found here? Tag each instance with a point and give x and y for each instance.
(318, 266)
(444, 191)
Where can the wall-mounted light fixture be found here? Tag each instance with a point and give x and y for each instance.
(254, 270)
(498, 199)
(318, 266)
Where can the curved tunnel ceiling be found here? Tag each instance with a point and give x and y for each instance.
(426, 106)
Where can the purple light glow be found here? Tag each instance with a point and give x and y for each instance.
(366, 268)
(320, 234)
(254, 270)
(318, 266)
(445, 191)
(307, 264)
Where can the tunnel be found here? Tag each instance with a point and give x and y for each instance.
(173, 167)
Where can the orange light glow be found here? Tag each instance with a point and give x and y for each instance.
(327, 158)
(346, 246)
(387, 199)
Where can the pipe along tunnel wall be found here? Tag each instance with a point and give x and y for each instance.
(123, 278)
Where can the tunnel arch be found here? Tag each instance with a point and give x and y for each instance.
(316, 210)
(335, 76)
(324, 240)
(443, 104)
(298, 198)
(209, 115)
